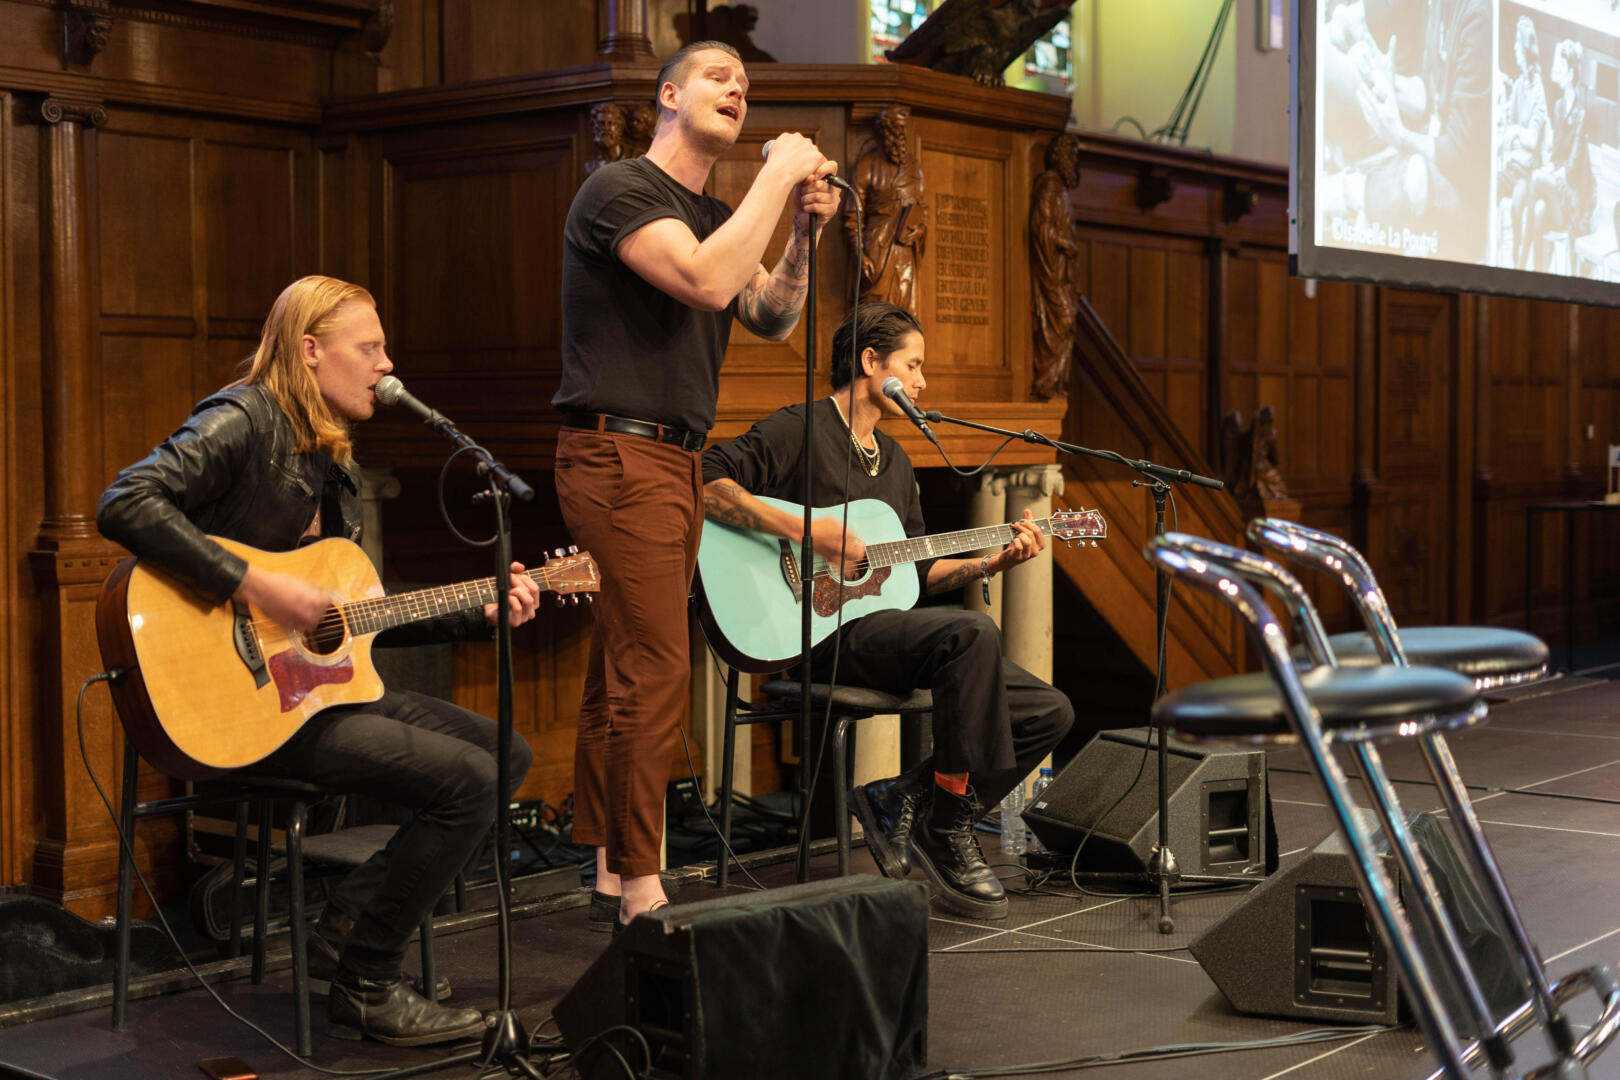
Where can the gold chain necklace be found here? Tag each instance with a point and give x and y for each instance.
(871, 460)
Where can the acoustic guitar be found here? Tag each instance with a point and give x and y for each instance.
(215, 687)
(751, 582)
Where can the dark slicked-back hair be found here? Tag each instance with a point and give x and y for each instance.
(679, 66)
(873, 325)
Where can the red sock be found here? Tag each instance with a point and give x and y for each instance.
(956, 784)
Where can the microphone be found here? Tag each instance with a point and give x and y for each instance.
(835, 180)
(897, 393)
(390, 391)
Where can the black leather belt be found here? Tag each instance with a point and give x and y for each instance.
(624, 425)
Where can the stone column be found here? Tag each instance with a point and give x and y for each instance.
(622, 31)
(1027, 605)
(988, 506)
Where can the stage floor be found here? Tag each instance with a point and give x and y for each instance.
(1057, 980)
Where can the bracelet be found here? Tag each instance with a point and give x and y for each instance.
(984, 578)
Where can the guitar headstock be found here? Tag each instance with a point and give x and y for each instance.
(571, 574)
(1074, 525)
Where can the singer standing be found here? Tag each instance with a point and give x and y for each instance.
(993, 721)
(268, 461)
(654, 271)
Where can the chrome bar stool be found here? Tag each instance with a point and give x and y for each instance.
(1355, 707)
(1492, 657)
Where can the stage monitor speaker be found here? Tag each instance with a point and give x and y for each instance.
(1218, 823)
(824, 979)
(1301, 944)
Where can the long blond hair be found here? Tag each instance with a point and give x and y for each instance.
(309, 306)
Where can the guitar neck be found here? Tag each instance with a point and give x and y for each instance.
(387, 612)
(941, 545)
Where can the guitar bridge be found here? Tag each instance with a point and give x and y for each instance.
(790, 571)
(247, 645)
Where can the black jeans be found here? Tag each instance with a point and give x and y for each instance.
(992, 719)
(428, 756)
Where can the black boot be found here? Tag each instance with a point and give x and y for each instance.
(888, 810)
(326, 940)
(390, 1011)
(946, 847)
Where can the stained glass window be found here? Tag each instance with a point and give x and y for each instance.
(892, 21)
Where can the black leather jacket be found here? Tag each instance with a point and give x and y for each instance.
(233, 470)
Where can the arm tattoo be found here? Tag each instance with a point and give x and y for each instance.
(772, 302)
(956, 579)
(725, 509)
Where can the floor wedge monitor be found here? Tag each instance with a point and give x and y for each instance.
(1217, 801)
(1300, 944)
(823, 979)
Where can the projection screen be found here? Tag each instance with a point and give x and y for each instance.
(1459, 145)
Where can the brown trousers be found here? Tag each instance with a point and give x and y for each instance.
(637, 506)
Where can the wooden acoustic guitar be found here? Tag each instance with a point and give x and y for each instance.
(215, 687)
(751, 583)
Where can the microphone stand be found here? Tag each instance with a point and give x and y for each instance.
(1162, 871)
(505, 1041)
(807, 578)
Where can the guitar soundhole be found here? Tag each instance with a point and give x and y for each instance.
(327, 638)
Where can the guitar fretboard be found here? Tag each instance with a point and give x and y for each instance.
(914, 549)
(386, 612)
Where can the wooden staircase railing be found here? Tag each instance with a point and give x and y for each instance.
(1111, 407)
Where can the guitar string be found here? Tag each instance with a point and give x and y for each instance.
(822, 569)
(380, 604)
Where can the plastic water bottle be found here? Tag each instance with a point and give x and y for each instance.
(1012, 821)
(1042, 782)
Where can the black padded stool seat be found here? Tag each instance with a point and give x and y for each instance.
(852, 698)
(849, 705)
(1347, 699)
(1489, 655)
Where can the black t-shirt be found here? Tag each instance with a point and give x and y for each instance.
(766, 460)
(628, 347)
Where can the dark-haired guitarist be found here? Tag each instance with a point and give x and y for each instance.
(993, 722)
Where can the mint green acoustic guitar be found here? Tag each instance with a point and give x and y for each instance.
(750, 581)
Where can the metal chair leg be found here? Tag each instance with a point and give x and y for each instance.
(126, 873)
(430, 966)
(728, 769)
(233, 948)
(261, 904)
(299, 931)
(1377, 783)
(1443, 768)
(840, 771)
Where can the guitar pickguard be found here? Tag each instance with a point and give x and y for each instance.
(295, 677)
(830, 595)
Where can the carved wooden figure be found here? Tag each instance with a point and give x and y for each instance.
(889, 183)
(639, 122)
(1051, 252)
(607, 132)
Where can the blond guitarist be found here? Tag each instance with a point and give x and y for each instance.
(268, 461)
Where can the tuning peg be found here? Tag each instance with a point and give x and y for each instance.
(1094, 543)
(559, 552)
(573, 549)
(575, 599)
(562, 601)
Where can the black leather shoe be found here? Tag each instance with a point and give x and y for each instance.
(887, 811)
(391, 1012)
(945, 845)
(326, 942)
(603, 913)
